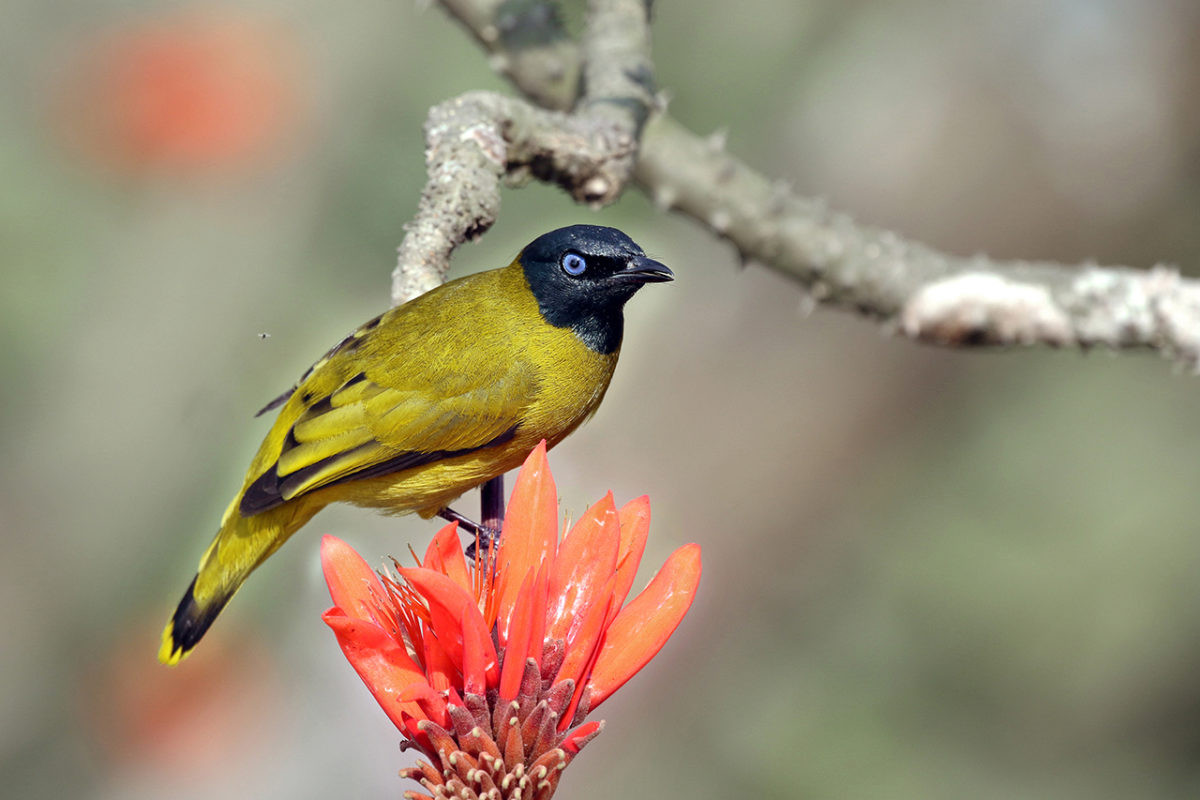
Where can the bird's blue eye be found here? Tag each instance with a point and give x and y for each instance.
(573, 264)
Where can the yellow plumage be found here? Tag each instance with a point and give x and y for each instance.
(415, 407)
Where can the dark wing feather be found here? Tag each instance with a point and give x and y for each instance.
(348, 344)
(277, 402)
(364, 430)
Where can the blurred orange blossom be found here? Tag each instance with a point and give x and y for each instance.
(186, 92)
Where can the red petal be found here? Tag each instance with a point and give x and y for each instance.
(439, 667)
(586, 560)
(487, 647)
(454, 617)
(382, 663)
(475, 658)
(635, 528)
(641, 628)
(576, 739)
(432, 703)
(520, 628)
(353, 586)
(530, 532)
(582, 651)
(537, 633)
(445, 555)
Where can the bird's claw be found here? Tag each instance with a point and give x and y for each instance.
(485, 538)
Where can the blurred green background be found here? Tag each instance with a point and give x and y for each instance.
(928, 574)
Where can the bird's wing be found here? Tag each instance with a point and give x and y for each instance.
(363, 429)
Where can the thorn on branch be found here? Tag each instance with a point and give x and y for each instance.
(664, 197)
(499, 63)
(717, 141)
(720, 221)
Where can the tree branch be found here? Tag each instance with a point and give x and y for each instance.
(527, 44)
(927, 295)
(481, 138)
(921, 293)
(477, 140)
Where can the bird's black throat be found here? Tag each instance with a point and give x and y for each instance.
(601, 330)
(606, 269)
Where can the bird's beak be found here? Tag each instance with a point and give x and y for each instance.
(642, 269)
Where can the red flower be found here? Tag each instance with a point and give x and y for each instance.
(491, 673)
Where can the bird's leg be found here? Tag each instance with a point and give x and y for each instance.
(491, 501)
(464, 523)
(491, 507)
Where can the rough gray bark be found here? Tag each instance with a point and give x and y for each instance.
(478, 140)
(591, 124)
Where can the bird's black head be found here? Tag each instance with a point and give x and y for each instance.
(582, 275)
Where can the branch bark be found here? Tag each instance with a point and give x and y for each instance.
(477, 140)
(917, 291)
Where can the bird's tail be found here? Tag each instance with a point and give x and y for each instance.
(189, 623)
(241, 545)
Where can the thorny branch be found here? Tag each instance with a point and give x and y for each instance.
(918, 292)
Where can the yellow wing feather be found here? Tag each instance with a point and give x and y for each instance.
(392, 396)
(385, 425)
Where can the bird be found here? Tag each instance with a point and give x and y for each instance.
(429, 400)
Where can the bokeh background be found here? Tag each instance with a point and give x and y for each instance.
(928, 574)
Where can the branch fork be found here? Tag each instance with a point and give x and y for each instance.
(479, 140)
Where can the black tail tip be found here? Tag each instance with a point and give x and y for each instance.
(187, 626)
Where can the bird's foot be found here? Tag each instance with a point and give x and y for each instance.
(485, 538)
